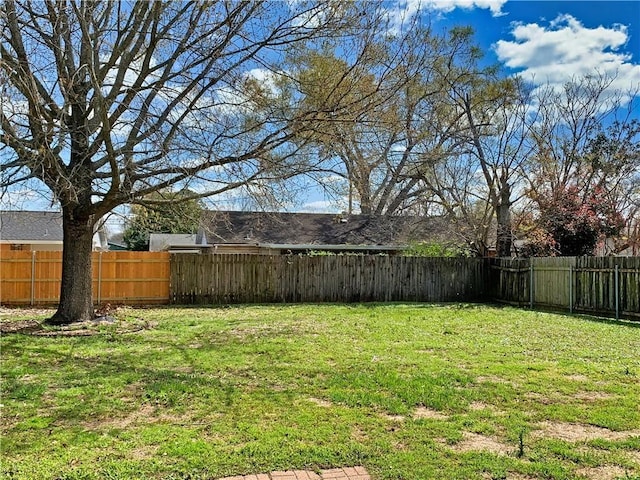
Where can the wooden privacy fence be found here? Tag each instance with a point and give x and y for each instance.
(602, 285)
(236, 278)
(33, 277)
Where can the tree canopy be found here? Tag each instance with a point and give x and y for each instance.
(107, 102)
(162, 212)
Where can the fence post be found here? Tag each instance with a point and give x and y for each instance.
(531, 291)
(99, 278)
(33, 277)
(617, 290)
(570, 288)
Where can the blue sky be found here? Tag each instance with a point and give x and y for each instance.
(560, 38)
(548, 40)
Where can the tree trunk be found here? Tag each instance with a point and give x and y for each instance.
(76, 300)
(504, 238)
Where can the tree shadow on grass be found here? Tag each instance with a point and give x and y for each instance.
(80, 388)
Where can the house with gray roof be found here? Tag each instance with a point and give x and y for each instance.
(284, 233)
(35, 230)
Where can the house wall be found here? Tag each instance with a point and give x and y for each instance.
(29, 247)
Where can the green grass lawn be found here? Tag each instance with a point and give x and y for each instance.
(409, 391)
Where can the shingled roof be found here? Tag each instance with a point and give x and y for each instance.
(232, 227)
(20, 225)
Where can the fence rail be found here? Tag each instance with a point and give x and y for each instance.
(229, 278)
(602, 285)
(33, 277)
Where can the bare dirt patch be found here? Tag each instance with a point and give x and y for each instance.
(608, 472)
(424, 412)
(79, 329)
(573, 432)
(20, 326)
(320, 402)
(592, 396)
(8, 313)
(474, 442)
(495, 379)
(30, 321)
(146, 414)
(510, 476)
(394, 418)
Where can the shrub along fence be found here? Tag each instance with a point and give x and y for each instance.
(235, 278)
(602, 285)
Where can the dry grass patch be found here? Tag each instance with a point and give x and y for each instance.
(577, 378)
(473, 442)
(573, 432)
(541, 399)
(320, 402)
(496, 379)
(480, 406)
(634, 456)
(509, 476)
(424, 412)
(607, 472)
(394, 418)
(358, 434)
(146, 415)
(592, 396)
(146, 452)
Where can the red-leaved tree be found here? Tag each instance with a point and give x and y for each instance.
(570, 223)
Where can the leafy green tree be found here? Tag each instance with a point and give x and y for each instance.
(162, 212)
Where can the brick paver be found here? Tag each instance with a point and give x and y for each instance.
(345, 473)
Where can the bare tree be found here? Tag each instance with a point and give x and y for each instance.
(106, 102)
(497, 118)
(380, 151)
(586, 140)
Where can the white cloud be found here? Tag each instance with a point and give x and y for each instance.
(310, 18)
(403, 10)
(566, 50)
(448, 5)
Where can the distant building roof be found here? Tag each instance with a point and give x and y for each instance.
(20, 225)
(309, 229)
(159, 242)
